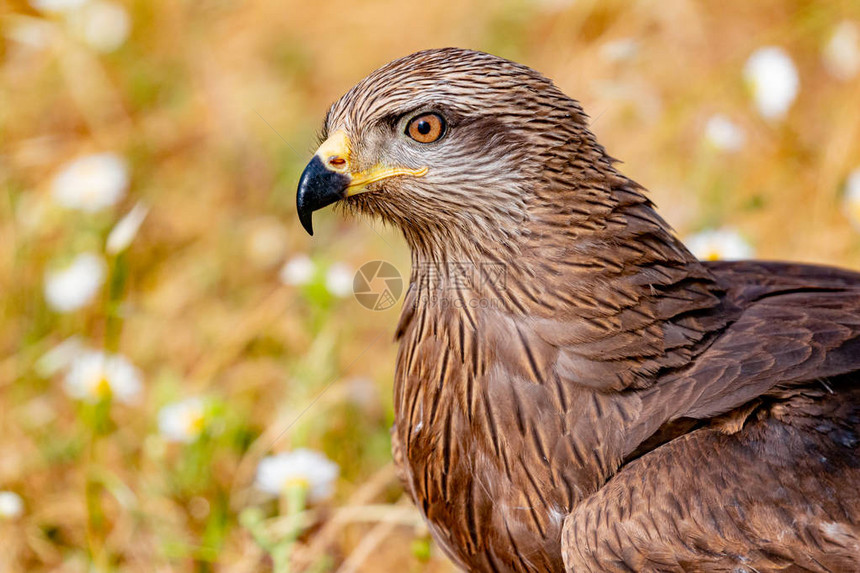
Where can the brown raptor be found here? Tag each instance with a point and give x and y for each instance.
(574, 390)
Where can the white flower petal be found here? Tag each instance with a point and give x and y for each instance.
(35, 33)
(75, 286)
(182, 421)
(298, 271)
(317, 472)
(851, 199)
(620, 50)
(124, 232)
(841, 54)
(339, 279)
(722, 244)
(60, 357)
(96, 376)
(11, 504)
(91, 183)
(773, 78)
(101, 24)
(57, 5)
(724, 134)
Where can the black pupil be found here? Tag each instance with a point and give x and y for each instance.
(424, 127)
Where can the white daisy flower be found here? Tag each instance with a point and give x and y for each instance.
(125, 231)
(339, 279)
(91, 183)
(101, 24)
(183, 421)
(11, 505)
(851, 200)
(310, 469)
(97, 376)
(718, 245)
(842, 52)
(772, 76)
(35, 33)
(298, 271)
(724, 134)
(267, 242)
(57, 5)
(74, 286)
(621, 50)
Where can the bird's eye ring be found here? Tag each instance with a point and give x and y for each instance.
(426, 128)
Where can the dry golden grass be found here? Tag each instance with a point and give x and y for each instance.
(215, 106)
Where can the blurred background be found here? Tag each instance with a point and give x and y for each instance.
(186, 380)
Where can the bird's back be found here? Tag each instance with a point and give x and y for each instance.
(764, 476)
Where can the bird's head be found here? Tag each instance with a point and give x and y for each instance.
(446, 144)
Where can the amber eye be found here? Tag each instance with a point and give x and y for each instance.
(426, 128)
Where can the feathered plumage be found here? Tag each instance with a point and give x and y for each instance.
(573, 388)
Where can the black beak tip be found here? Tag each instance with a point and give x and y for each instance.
(318, 188)
(307, 220)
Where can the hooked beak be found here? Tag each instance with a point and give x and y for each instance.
(329, 178)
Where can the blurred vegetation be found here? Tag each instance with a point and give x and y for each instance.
(214, 106)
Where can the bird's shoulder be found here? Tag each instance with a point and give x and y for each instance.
(797, 325)
(708, 346)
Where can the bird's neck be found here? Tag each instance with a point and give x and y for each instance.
(602, 235)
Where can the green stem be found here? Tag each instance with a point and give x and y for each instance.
(295, 497)
(116, 287)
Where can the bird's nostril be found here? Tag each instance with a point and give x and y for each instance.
(336, 161)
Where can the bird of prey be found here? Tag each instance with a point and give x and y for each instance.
(606, 402)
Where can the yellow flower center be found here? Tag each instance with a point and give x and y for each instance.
(296, 482)
(102, 389)
(713, 255)
(195, 423)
